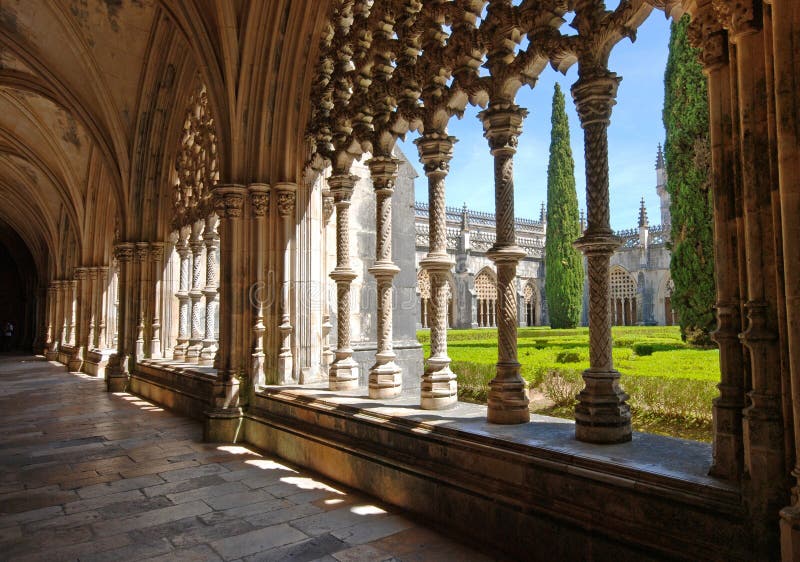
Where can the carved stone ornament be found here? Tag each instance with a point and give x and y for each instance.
(142, 251)
(707, 34)
(233, 205)
(123, 252)
(157, 252)
(80, 273)
(259, 203)
(740, 17)
(286, 201)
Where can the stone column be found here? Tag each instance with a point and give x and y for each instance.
(764, 453)
(91, 306)
(343, 372)
(195, 295)
(209, 349)
(223, 418)
(185, 255)
(52, 301)
(385, 380)
(157, 272)
(141, 275)
(727, 457)
(786, 23)
(63, 313)
(286, 205)
(72, 300)
(508, 400)
(327, 353)
(602, 415)
(259, 206)
(102, 307)
(118, 368)
(438, 388)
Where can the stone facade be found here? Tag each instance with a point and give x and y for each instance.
(640, 279)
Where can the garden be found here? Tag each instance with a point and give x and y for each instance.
(671, 384)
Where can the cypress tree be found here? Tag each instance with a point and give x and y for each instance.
(563, 263)
(688, 183)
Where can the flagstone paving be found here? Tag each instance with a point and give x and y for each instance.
(88, 475)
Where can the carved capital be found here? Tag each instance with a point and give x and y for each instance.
(157, 251)
(142, 251)
(259, 203)
(435, 152)
(80, 273)
(502, 126)
(739, 17)
(595, 94)
(228, 203)
(327, 205)
(123, 252)
(342, 186)
(707, 34)
(286, 201)
(383, 170)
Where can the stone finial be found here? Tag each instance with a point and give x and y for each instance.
(642, 214)
(660, 163)
(543, 213)
(583, 220)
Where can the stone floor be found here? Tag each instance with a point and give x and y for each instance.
(88, 475)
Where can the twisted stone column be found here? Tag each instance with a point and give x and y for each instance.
(209, 349)
(508, 400)
(185, 255)
(79, 315)
(259, 206)
(286, 204)
(156, 272)
(602, 415)
(72, 307)
(343, 372)
(195, 295)
(438, 388)
(385, 380)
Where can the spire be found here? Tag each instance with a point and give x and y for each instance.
(464, 217)
(660, 165)
(543, 213)
(642, 214)
(583, 221)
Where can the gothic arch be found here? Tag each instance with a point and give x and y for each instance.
(624, 292)
(486, 294)
(531, 313)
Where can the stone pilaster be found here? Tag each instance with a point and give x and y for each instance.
(259, 207)
(156, 277)
(91, 306)
(786, 23)
(51, 351)
(763, 437)
(385, 377)
(602, 415)
(328, 207)
(343, 372)
(184, 302)
(102, 307)
(224, 417)
(196, 295)
(438, 389)
(142, 275)
(72, 306)
(508, 399)
(118, 364)
(286, 197)
(706, 33)
(210, 292)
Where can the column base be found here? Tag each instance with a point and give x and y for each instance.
(117, 383)
(75, 365)
(223, 425)
(508, 402)
(193, 353)
(285, 367)
(343, 375)
(728, 448)
(207, 355)
(385, 380)
(438, 390)
(51, 355)
(602, 416)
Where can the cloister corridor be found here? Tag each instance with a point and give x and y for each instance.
(91, 475)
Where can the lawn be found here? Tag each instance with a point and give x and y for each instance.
(670, 383)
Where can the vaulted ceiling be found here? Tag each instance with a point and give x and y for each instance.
(93, 95)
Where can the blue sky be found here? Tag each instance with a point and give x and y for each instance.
(636, 129)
